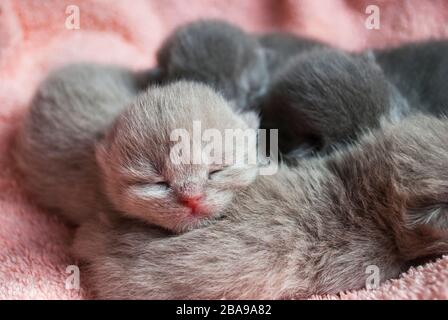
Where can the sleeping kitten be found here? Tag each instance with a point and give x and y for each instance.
(325, 97)
(139, 175)
(55, 146)
(218, 54)
(420, 72)
(282, 46)
(85, 113)
(313, 229)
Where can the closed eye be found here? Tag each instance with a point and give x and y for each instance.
(213, 172)
(151, 190)
(150, 184)
(162, 184)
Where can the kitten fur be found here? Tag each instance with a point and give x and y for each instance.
(282, 46)
(85, 113)
(326, 97)
(139, 176)
(218, 54)
(419, 71)
(312, 229)
(55, 145)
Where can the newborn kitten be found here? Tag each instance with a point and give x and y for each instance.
(326, 97)
(139, 175)
(282, 46)
(85, 113)
(55, 145)
(220, 55)
(420, 72)
(313, 229)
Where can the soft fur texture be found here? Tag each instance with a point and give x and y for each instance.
(218, 54)
(55, 147)
(417, 74)
(282, 46)
(325, 97)
(143, 177)
(83, 110)
(419, 71)
(34, 40)
(308, 230)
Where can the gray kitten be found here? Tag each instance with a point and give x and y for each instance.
(419, 71)
(139, 175)
(220, 55)
(89, 145)
(55, 146)
(312, 229)
(326, 97)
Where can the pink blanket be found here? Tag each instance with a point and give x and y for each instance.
(34, 39)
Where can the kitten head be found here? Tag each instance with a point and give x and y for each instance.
(145, 175)
(327, 97)
(220, 55)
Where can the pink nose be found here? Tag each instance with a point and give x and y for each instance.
(192, 201)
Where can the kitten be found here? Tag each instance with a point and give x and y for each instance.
(313, 229)
(218, 54)
(419, 71)
(139, 175)
(89, 145)
(55, 145)
(325, 98)
(282, 46)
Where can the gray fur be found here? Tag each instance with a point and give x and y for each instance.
(85, 113)
(280, 47)
(138, 175)
(311, 229)
(326, 98)
(54, 150)
(220, 55)
(419, 71)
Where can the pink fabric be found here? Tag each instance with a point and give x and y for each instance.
(33, 39)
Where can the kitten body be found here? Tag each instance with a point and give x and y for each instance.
(312, 229)
(55, 145)
(90, 144)
(143, 177)
(220, 55)
(326, 97)
(419, 71)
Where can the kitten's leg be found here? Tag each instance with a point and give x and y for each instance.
(134, 262)
(400, 175)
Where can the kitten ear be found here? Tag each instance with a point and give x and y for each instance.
(102, 147)
(100, 153)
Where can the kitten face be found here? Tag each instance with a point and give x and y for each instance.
(220, 55)
(143, 178)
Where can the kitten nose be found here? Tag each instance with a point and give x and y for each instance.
(191, 201)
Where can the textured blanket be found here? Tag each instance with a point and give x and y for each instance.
(39, 35)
